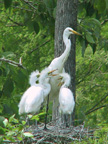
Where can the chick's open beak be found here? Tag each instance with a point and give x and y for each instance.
(75, 32)
(60, 84)
(50, 73)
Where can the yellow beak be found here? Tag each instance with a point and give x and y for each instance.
(52, 71)
(75, 32)
(60, 83)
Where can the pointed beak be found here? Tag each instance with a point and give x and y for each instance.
(60, 78)
(75, 32)
(52, 71)
(60, 83)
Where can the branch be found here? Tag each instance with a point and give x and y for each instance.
(19, 24)
(96, 109)
(106, 20)
(96, 104)
(40, 46)
(29, 3)
(13, 63)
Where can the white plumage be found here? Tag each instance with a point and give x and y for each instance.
(66, 98)
(32, 80)
(34, 96)
(58, 63)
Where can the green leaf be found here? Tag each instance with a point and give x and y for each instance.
(7, 3)
(100, 5)
(1, 120)
(8, 87)
(5, 122)
(83, 48)
(28, 134)
(93, 47)
(2, 130)
(12, 119)
(89, 38)
(7, 54)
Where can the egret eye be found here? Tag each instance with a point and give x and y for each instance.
(38, 75)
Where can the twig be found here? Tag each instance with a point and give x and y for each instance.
(96, 109)
(19, 24)
(40, 46)
(96, 104)
(29, 3)
(12, 62)
(106, 20)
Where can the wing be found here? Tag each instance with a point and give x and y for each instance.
(34, 100)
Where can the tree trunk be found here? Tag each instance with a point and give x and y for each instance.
(66, 16)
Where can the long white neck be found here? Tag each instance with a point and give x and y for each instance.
(46, 89)
(65, 54)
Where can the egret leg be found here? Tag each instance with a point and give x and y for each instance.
(70, 120)
(66, 120)
(45, 128)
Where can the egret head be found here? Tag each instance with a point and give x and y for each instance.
(68, 31)
(34, 77)
(65, 79)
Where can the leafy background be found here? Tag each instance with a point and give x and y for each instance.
(27, 32)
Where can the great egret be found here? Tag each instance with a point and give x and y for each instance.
(66, 98)
(34, 77)
(34, 96)
(58, 63)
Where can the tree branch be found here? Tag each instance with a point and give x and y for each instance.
(29, 3)
(19, 24)
(12, 62)
(40, 46)
(96, 105)
(96, 109)
(106, 20)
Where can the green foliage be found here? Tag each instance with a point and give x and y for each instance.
(12, 130)
(27, 32)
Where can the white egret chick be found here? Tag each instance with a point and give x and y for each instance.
(37, 93)
(66, 98)
(34, 77)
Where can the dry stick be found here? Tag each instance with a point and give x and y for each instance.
(12, 62)
(45, 128)
(96, 104)
(40, 46)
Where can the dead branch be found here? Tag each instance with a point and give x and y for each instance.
(12, 62)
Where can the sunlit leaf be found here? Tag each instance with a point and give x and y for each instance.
(5, 122)
(28, 134)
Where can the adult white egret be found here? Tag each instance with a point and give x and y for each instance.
(33, 78)
(66, 98)
(58, 63)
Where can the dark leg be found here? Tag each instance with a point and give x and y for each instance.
(45, 128)
(66, 119)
